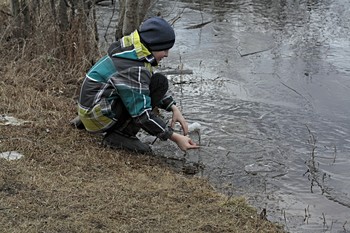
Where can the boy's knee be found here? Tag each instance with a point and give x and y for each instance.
(159, 80)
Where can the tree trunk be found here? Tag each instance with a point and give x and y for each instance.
(63, 22)
(15, 7)
(143, 8)
(15, 10)
(131, 14)
(53, 10)
(27, 27)
(130, 18)
(119, 27)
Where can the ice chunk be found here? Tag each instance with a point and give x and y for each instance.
(194, 127)
(11, 155)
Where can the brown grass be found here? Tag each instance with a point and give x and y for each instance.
(67, 182)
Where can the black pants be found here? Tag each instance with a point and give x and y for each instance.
(158, 88)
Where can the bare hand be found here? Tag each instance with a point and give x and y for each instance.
(183, 142)
(177, 117)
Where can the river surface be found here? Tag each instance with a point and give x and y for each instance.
(269, 83)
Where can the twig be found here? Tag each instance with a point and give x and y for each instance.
(324, 219)
(6, 13)
(335, 153)
(307, 214)
(154, 140)
(198, 25)
(176, 18)
(184, 82)
(177, 71)
(292, 89)
(18, 138)
(157, 137)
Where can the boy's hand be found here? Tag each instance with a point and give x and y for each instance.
(177, 117)
(183, 142)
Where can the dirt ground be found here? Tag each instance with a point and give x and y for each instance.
(67, 182)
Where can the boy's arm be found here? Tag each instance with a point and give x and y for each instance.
(133, 88)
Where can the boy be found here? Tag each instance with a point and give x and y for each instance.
(120, 91)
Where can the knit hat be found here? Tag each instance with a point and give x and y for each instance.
(157, 34)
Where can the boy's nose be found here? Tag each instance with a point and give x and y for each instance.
(166, 52)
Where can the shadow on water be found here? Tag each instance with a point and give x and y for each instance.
(268, 82)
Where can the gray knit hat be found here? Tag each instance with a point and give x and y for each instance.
(157, 34)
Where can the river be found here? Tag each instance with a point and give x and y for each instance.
(269, 83)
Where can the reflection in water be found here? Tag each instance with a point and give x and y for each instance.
(269, 76)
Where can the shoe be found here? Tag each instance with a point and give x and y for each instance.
(76, 122)
(118, 140)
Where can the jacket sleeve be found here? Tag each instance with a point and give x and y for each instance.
(166, 103)
(154, 125)
(132, 85)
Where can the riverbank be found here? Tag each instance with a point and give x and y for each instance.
(67, 182)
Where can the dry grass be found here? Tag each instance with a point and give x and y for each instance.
(68, 183)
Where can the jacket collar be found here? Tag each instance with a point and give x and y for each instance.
(137, 51)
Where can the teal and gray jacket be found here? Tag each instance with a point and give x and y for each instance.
(125, 73)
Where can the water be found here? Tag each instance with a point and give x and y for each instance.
(270, 90)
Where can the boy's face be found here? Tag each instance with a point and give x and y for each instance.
(159, 55)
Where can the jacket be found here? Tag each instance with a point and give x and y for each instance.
(125, 73)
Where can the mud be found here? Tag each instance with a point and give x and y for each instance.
(268, 82)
